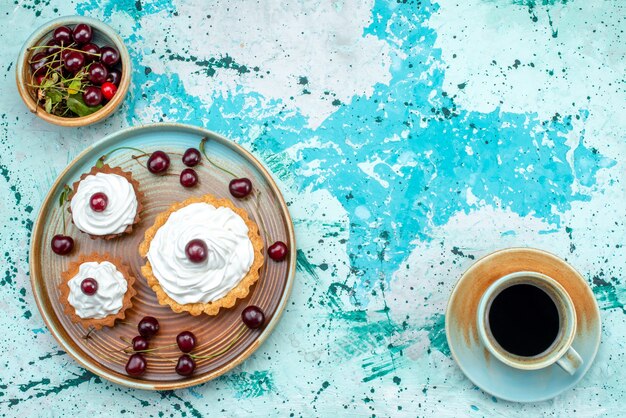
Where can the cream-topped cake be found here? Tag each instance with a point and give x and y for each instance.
(202, 254)
(96, 290)
(105, 202)
(229, 253)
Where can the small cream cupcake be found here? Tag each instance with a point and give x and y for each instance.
(106, 202)
(96, 290)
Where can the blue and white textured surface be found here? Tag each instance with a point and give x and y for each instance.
(410, 138)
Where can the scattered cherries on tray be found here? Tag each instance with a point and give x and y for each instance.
(188, 177)
(140, 343)
(136, 365)
(278, 251)
(62, 244)
(191, 157)
(158, 162)
(186, 341)
(148, 327)
(186, 364)
(71, 75)
(253, 317)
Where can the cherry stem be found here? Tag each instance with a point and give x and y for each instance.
(161, 357)
(63, 217)
(137, 157)
(122, 349)
(228, 347)
(154, 349)
(105, 156)
(204, 140)
(63, 48)
(88, 335)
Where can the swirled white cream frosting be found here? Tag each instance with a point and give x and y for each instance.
(230, 253)
(109, 297)
(121, 207)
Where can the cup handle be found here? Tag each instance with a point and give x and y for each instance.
(571, 361)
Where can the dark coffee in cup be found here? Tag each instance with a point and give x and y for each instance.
(524, 320)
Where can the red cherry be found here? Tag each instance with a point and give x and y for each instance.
(97, 73)
(253, 317)
(98, 202)
(92, 96)
(140, 343)
(38, 63)
(39, 79)
(114, 77)
(186, 341)
(186, 365)
(148, 326)
(108, 90)
(196, 251)
(109, 56)
(64, 53)
(62, 244)
(73, 60)
(188, 177)
(277, 251)
(53, 46)
(89, 286)
(191, 157)
(82, 33)
(92, 52)
(240, 187)
(63, 35)
(158, 162)
(136, 365)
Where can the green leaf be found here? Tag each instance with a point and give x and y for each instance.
(100, 162)
(76, 104)
(74, 87)
(64, 195)
(48, 105)
(48, 82)
(54, 95)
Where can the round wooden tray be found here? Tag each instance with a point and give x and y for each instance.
(100, 353)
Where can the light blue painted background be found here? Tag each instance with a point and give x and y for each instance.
(409, 138)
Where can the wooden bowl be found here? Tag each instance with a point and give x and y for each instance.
(102, 35)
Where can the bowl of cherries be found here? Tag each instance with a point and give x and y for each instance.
(73, 71)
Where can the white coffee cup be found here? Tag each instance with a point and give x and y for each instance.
(560, 351)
